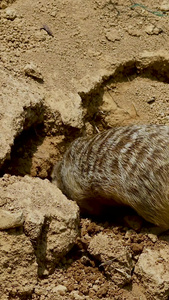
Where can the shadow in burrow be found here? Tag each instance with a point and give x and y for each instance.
(22, 151)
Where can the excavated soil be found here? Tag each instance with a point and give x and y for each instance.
(112, 57)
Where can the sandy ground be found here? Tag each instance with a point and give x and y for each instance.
(113, 56)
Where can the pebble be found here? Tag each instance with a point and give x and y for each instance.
(151, 29)
(164, 6)
(10, 14)
(33, 71)
(152, 237)
(60, 289)
(10, 220)
(113, 35)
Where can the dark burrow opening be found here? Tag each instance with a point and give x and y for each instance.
(25, 145)
(27, 159)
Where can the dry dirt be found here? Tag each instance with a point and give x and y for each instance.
(95, 64)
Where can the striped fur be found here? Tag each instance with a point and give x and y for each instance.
(121, 166)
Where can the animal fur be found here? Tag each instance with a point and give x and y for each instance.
(121, 166)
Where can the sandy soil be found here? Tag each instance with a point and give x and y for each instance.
(113, 55)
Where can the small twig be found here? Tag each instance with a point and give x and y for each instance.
(135, 109)
(47, 29)
(108, 263)
(96, 128)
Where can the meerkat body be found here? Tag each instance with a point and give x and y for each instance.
(121, 166)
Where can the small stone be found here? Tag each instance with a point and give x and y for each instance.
(129, 233)
(53, 13)
(43, 206)
(133, 31)
(95, 287)
(75, 295)
(10, 14)
(10, 220)
(45, 272)
(153, 270)
(152, 237)
(32, 70)
(60, 289)
(164, 6)
(151, 29)
(137, 248)
(59, 101)
(113, 35)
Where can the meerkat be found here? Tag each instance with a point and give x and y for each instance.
(121, 166)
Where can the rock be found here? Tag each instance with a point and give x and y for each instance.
(137, 248)
(10, 14)
(91, 81)
(68, 105)
(21, 107)
(152, 237)
(133, 31)
(75, 296)
(152, 271)
(151, 29)
(113, 35)
(60, 290)
(18, 266)
(33, 225)
(10, 220)
(51, 221)
(115, 115)
(32, 70)
(164, 6)
(115, 257)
